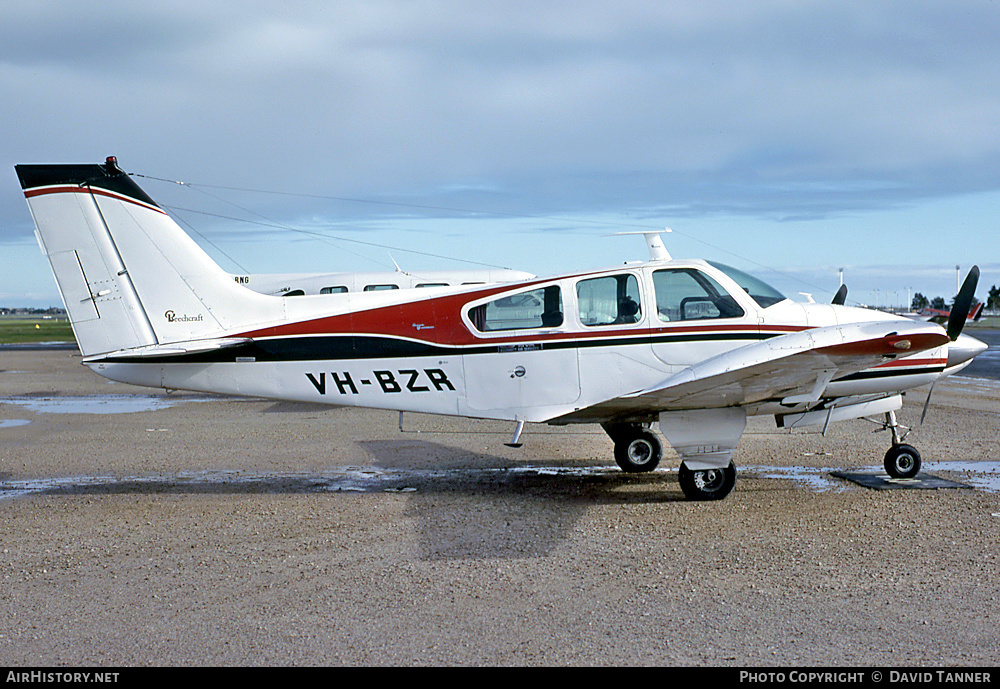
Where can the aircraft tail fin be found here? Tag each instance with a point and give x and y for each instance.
(129, 276)
(977, 312)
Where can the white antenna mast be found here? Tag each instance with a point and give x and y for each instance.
(657, 250)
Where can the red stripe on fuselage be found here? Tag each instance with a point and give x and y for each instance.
(907, 363)
(438, 321)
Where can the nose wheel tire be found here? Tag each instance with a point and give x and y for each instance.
(902, 461)
(707, 484)
(638, 451)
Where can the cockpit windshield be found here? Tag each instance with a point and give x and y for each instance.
(759, 291)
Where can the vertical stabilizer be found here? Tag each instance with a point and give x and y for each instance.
(128, 275)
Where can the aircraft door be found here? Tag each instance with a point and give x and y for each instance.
(696, 318)
(614, 317)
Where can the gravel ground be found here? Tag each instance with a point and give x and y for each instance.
(246, 532)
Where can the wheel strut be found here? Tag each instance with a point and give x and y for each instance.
(893, 425)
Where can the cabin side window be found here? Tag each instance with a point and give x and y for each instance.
(612, 300)
(686, 294)
(339, 289)
(379, 288)
(540, 308)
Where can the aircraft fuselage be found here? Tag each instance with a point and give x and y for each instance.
(424, 352)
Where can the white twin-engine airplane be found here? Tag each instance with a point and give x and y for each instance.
(693, 345)
(300, 284)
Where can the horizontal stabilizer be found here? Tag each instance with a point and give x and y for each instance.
(176, 349)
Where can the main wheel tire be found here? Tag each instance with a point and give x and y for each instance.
(707, 484)
(902, 461)
(638, 452)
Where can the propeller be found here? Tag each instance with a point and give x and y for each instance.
(963, 302)
(841, 296)
(927, 403)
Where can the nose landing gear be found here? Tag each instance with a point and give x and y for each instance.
(902, 460)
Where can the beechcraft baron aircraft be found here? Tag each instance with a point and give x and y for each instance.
(692, 345)
(941, 316)
(301, 284)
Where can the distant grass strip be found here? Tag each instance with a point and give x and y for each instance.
(33, 330)
(986, 322)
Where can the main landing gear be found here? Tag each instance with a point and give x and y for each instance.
(707, 484)
(637, 450)
(902, 460)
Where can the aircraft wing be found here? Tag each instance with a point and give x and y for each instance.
(792, 369)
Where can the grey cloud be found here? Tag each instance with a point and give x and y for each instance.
(764, 108)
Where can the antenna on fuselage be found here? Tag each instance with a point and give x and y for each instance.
(657, 250)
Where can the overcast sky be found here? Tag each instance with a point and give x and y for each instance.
(790, 139)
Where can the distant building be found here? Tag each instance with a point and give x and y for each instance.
(53, 311)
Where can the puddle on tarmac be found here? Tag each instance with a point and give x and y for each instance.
(11, 423)
(982, 475)
(97, 404)
(817, 478)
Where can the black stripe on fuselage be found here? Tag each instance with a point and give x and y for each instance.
(890, 373)
(355, 347)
